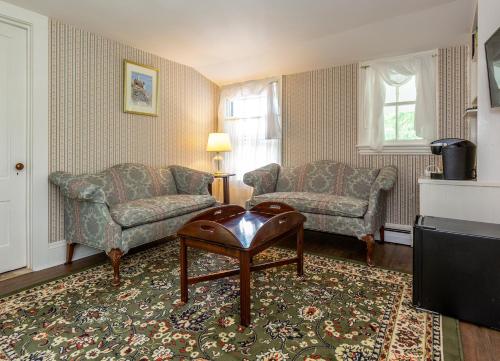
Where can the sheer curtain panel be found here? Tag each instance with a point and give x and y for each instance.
(250, 113)
(397, 72)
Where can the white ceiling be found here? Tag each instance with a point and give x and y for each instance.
(236, 40)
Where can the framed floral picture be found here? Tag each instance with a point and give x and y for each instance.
(140, 89)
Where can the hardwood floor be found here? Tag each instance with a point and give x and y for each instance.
(479, 343)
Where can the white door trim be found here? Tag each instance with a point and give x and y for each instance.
(37, 163)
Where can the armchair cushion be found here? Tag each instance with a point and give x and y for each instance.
(130, 181)
(118, 184)
(327, 176)
(358, 182)
(318, 203)
(142, 211)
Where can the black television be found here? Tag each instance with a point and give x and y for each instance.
(492, 47)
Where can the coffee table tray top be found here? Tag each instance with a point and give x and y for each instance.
(235, 227)
(235, 232)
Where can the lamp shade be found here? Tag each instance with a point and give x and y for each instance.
(218, 142)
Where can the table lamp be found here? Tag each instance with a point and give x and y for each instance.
(218, 143)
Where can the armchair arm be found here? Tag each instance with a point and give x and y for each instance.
(386, 178)
(263, 180)
(90, 223)
(376, 213)
(191, 181)
(78, 187)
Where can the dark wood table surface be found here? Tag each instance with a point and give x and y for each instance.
(234, 232)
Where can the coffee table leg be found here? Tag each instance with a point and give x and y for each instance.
(184, 274)
(244, 288)
(300, 251)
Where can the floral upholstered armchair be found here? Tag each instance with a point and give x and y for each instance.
(334, 197)
(128, 205)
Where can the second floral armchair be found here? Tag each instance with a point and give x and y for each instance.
(334, 197)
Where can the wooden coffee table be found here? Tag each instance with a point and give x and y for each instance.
(232, 231)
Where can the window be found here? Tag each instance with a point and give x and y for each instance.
(398, 105)
(250, 114)
(399, 112)
(246, 107)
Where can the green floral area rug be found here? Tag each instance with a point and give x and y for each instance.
(338, 310)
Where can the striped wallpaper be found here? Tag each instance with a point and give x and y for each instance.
(89, 130)
(320, 116)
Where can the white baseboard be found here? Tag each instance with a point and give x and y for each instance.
(56, 254)
(399, 234)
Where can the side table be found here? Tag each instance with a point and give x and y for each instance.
(225, 185)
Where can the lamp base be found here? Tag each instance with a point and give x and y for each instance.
(218, 164)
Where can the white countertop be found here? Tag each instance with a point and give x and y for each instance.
(468, 183)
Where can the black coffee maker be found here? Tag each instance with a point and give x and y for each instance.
(459, 158)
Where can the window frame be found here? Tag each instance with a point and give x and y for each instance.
(397, 104)
(408, 147)
(230, 106)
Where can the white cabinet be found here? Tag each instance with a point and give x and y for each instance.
(467, 200)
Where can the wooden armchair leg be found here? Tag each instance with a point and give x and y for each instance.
(70, 249)
(370, 245)
(115, 255)
(382, 234)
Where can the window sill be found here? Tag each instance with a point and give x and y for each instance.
(408, 149)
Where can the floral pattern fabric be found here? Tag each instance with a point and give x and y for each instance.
(335, 224)
(328, 204)
(377, 205)
(89, 197)
(136, 236)
(130, 181)
(337, 311)
(154, 209)
(138, 181)
(91, 224)
(190, 181)
(78, 187)
(358, 195)
(263, 180)
(120, 183)
(327, 177)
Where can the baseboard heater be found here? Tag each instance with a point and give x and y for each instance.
(397, 234)
(397, 230)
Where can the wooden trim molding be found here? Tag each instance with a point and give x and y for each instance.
(396, 149)
(37, 167)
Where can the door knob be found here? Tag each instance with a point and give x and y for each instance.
(19, 166)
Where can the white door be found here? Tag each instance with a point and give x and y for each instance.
(13, 117)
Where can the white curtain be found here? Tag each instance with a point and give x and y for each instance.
(255, 135)
(397, 72)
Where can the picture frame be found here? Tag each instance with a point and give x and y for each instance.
(140, 88)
